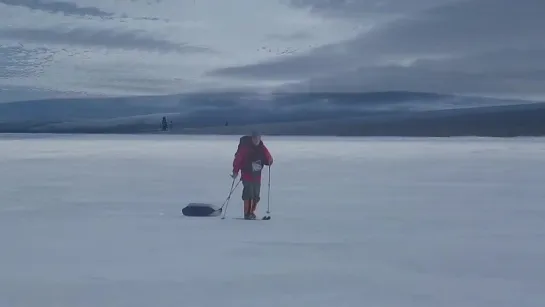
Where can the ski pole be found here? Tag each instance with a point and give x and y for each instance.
(230, 191)
(226, 203)
(269, 193)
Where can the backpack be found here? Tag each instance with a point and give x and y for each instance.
(244, 141)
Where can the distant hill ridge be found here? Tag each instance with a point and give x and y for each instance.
(374, 113)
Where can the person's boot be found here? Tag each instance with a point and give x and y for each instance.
(247, 209)
(253, 208)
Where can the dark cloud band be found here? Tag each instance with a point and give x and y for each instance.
(469, 46)
(66, 8)
(129, 40)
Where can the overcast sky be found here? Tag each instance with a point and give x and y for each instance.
(137, 47)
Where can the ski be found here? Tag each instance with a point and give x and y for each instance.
(265, 218)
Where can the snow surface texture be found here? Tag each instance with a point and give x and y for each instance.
(95, 221)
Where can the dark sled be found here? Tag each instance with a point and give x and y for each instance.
(201, 210)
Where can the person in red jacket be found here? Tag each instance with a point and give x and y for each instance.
(249, 159)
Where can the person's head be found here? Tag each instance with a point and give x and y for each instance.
(256, 137)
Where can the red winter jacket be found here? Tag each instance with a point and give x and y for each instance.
(250, 160)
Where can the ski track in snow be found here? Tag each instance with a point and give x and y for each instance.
(95, 221)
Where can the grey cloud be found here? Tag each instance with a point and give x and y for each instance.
(18, 61)
(98, 38)
(66, 8)
(140, 86)
(462, 46)
(151, 19)
(125, 78)
(291, 37)
(505, 61)
(147, 18)
(295, 67)
(478, 25)
(420, 79)
(369, 8)
(452, 30)
(322, 60)
(492, 74)
(10, 93)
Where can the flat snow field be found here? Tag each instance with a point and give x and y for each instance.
(366, 222)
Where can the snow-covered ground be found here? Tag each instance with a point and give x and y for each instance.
(375, 222)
